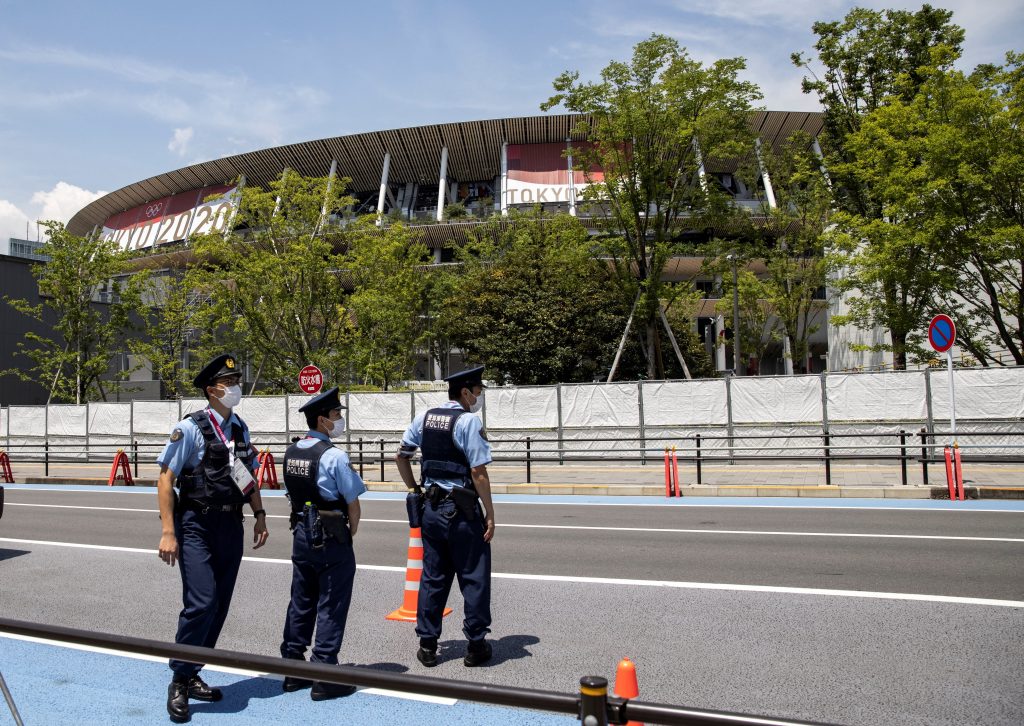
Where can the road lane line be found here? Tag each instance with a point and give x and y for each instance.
(652, 530)
(728, 587)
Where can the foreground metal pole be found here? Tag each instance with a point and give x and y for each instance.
(10, 701)
(594, 701)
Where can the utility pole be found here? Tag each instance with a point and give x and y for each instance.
(735, 317)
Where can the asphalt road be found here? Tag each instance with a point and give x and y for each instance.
(843, 615)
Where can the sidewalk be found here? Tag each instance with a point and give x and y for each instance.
(785, 479)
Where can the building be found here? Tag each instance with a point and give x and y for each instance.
(487, 166)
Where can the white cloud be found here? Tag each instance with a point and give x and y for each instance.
(180, 141)
(60, 204)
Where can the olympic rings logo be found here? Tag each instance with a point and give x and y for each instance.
(154, 209)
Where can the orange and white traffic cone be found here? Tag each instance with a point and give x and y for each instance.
(413, 572)
(626, 685)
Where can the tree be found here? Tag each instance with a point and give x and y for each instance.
(645, 121)
(950, 163)
(759, 325)
(871, 58)
(81, 274)
(388, 294)
(275, 289)
(530, 300)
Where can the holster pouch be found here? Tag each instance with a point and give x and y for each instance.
(335, 524)
(313, 523)
(465, 502)
(414, 504)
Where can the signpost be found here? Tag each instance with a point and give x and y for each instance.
(311, 379)
(942, 335)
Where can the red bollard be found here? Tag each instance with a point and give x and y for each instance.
(959, 471)
(675, 473)
(950, 478)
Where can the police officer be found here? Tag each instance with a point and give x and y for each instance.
(456, 535)
(209, 458)
(324, 493)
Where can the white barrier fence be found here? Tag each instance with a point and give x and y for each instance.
(617, 420)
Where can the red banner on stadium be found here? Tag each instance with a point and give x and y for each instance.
(539, 173)
(172, 219)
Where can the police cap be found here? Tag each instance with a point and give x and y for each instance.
(323, 404)
(467, 378)
(220, 367)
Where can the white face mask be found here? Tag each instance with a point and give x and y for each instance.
(232, 396)
(337, 428)
(478, 404)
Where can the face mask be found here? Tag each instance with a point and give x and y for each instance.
(232, 396)
(479, 404)
(337, 428)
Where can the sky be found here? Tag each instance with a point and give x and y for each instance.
(95, 96)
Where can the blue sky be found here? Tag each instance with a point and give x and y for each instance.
(97, 95)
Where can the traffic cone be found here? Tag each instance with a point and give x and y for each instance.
(5, 468)
(413, 572)
(120, 470)
(668, 474)
(625, 683)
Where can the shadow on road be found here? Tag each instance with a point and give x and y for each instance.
(11, 554)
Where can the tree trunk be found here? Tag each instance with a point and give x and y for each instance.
(899, 350)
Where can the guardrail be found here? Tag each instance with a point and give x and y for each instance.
(591, 707)
(906, 447)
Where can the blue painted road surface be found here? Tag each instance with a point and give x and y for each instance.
(54, 684)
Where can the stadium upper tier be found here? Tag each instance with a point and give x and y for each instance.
(466, 153)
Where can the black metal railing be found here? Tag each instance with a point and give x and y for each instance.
(597, 709)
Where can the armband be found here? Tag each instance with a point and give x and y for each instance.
(407, 451)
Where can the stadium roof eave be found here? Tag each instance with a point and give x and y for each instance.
(474, 151)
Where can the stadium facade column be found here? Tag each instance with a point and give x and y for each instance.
(701, 172)
(769, 192)
(504, 179)
(277, 202)
(572, 179)
(410, 200)
(719, 331)
(442, 191)
(383, 186)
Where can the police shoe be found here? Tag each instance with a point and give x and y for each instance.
(198, 690)
(326, 691)
(295, 684)
(427, 654)
(477, 653)
(177, 701)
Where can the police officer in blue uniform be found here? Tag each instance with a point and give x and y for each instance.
(324, 493)
(209, 458)
(456, 534)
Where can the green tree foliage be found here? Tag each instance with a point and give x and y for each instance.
(531, 301)
(389, 286)
(644, 117)
(870, 59)
(86, 333)
(275, 292)
(949, 163)
(759, 326)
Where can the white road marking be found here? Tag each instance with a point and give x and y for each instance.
(728, 587)
(219, 669)
(653, 530)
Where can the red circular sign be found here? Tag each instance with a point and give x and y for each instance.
(942, 333)
(311, 380)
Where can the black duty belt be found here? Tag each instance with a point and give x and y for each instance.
(203, 507)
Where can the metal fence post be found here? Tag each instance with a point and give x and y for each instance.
(348, 423)
(360, 457)
(86, 432)
(828, 460)
(135, 456)
(643, 436)
(728, 409)
(924, 455)
(558, 403)
(594, 701)
(698, 461)
(903, 456)
(928, 400)
(824, 402)
(382, 458)
(528, 472)
(46, 456)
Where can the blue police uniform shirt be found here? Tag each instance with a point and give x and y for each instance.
(187, 451)
(335, 479)
(468, 436)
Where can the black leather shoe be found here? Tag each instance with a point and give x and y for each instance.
(427, 657)
(198, 690)
(477, 653)
(177, 702)
(295, 684)
(326, 691)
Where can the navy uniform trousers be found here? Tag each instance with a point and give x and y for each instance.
(321, 595)
(211, 550)
(454, 547)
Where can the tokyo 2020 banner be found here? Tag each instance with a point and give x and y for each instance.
(172, 219)
(539, 174)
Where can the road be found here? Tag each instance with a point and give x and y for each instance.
(854, 612)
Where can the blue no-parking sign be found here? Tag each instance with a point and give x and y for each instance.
(941, 333)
